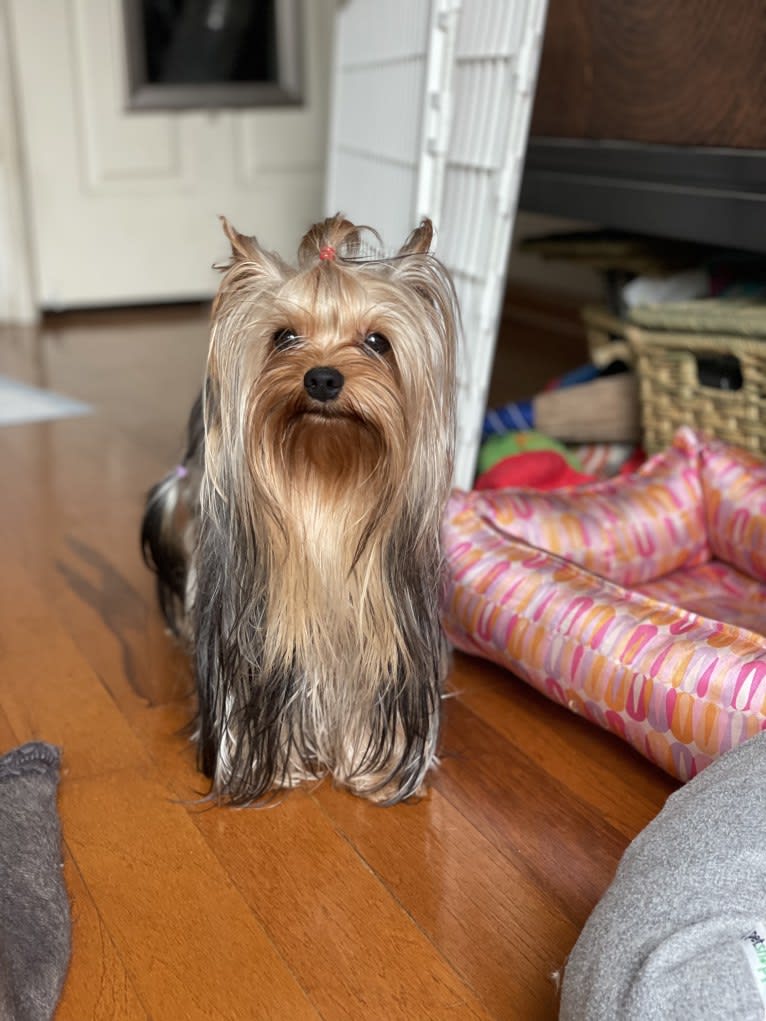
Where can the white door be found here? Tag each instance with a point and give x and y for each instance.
(123, 204)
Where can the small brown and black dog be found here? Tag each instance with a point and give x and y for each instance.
(297, 545)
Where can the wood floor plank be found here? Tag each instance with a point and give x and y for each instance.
(107, 597)
(491, 923)
(353, 948)
(90, 569)
(53, 695)
(601, 769)
(8, 737)
(357, 953)
(570, 855)
(49, 692)
(97, 986)
(190, 944)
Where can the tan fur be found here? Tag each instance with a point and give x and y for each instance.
(336, 505)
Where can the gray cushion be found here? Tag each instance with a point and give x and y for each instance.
(678, 933)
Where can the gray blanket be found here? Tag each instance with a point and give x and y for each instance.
(681, 932)
(34, 909)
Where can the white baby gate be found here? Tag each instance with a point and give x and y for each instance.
(430, 116)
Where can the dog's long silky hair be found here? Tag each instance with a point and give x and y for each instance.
(297, 546)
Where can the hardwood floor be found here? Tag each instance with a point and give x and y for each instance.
(459, 906)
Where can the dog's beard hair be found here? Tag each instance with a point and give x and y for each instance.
(314, 587)
(322, 672)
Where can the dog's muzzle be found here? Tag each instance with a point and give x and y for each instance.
(323, 383)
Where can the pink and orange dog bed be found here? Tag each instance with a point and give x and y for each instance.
(638, 602)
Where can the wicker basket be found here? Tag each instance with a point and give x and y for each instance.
(671, 394)
(606, 335)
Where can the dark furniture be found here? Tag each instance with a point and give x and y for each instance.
(651, 117)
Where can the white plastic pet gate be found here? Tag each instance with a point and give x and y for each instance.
(430, 117)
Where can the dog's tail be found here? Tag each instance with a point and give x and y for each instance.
(162, 543)
(169, 526)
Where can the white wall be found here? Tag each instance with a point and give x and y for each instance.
(16, 289)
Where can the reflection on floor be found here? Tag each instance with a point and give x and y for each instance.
(20, 403)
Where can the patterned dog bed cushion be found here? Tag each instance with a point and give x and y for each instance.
(568, 590)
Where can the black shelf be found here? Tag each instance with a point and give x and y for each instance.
(714, 196)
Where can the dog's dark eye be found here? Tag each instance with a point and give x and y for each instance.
(284, 338)
(377, 342)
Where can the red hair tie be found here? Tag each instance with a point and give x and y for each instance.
(327, 254)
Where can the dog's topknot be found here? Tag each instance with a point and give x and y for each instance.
(337, 237)
(336, 233)
(334, 238)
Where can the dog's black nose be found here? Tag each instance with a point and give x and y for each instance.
(323, 383)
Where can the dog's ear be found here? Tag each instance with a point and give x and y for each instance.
(248, 258)
(243, 248)
(431, 282)
(419, 241)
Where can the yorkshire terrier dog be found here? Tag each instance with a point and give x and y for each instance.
(297, 544)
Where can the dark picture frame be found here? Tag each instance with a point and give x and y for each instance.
(211, 51)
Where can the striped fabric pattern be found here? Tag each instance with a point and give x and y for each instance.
(635, 602)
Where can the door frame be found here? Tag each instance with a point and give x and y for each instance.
(18, 293)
